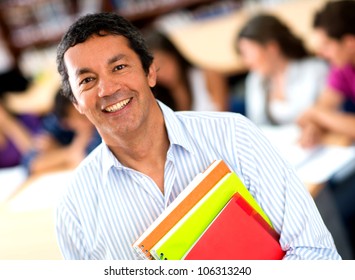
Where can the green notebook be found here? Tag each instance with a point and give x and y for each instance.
(183, 235)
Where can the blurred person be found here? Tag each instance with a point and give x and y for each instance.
(67, 137)
(182, 85)
(284, 79)
(283, 82)
(150, 153)
(16, 129)
(334, 111)
(16, 136)
(11, 77)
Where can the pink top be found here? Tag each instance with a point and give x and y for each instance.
(343, 80)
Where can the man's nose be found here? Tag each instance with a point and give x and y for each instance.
(108, 86)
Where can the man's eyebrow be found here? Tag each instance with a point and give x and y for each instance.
(82, 71)
(111, 60)
(115, 58)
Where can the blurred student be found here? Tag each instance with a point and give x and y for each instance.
(181, 85)
(16, 130)
(283, 80)
(16, 136)
(334, 110)
(67, 139)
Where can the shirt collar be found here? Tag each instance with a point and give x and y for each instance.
(176, 134)
(176, 130)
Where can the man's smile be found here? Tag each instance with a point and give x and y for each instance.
(118, 106)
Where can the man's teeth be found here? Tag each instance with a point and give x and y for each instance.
(117, 106)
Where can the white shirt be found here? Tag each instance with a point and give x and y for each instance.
(108, 206)
(305, 80)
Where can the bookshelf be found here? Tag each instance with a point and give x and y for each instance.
(28, 24)
(35, 23)
(143, 12)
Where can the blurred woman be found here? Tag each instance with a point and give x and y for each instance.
(183, 86)
(284, 79)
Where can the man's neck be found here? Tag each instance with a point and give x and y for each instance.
(145, 151)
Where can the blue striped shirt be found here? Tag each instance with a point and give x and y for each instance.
(107, 206)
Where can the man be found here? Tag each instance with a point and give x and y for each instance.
(335, 30)
(149, 153)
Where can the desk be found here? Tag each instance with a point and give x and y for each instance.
(211, 43)
(317, 165)
(27, 229)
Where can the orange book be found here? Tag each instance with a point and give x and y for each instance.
(197, 189)
(237, 233)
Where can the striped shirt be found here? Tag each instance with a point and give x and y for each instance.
(107, 206)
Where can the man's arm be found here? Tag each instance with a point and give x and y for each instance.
(69, 234)
(275, 185)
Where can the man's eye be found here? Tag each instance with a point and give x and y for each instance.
(119, 67)
(86, 80)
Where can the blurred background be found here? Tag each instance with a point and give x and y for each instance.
(204, 32)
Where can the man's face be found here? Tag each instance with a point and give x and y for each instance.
(109, 84)
(337, 52)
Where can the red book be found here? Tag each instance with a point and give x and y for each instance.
(237, 233)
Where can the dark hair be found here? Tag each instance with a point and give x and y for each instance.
(158, 41)
(336, 18)
(100, 24)
(264, 28)
(61, 106)
(13, 80)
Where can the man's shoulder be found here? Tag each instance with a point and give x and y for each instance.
(92, 164)
(192, 116)
(205, 116)
(210, 118)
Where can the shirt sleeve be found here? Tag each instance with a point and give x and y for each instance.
(284, 198)
(69, 233)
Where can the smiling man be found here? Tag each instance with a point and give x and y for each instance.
(113, 90)
(150, 153)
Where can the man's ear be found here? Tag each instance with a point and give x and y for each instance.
(77, 107)
(152, 75)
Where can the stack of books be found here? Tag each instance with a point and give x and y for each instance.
(214, 218)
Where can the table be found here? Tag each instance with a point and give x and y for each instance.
(317, 165)
(27, 229)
